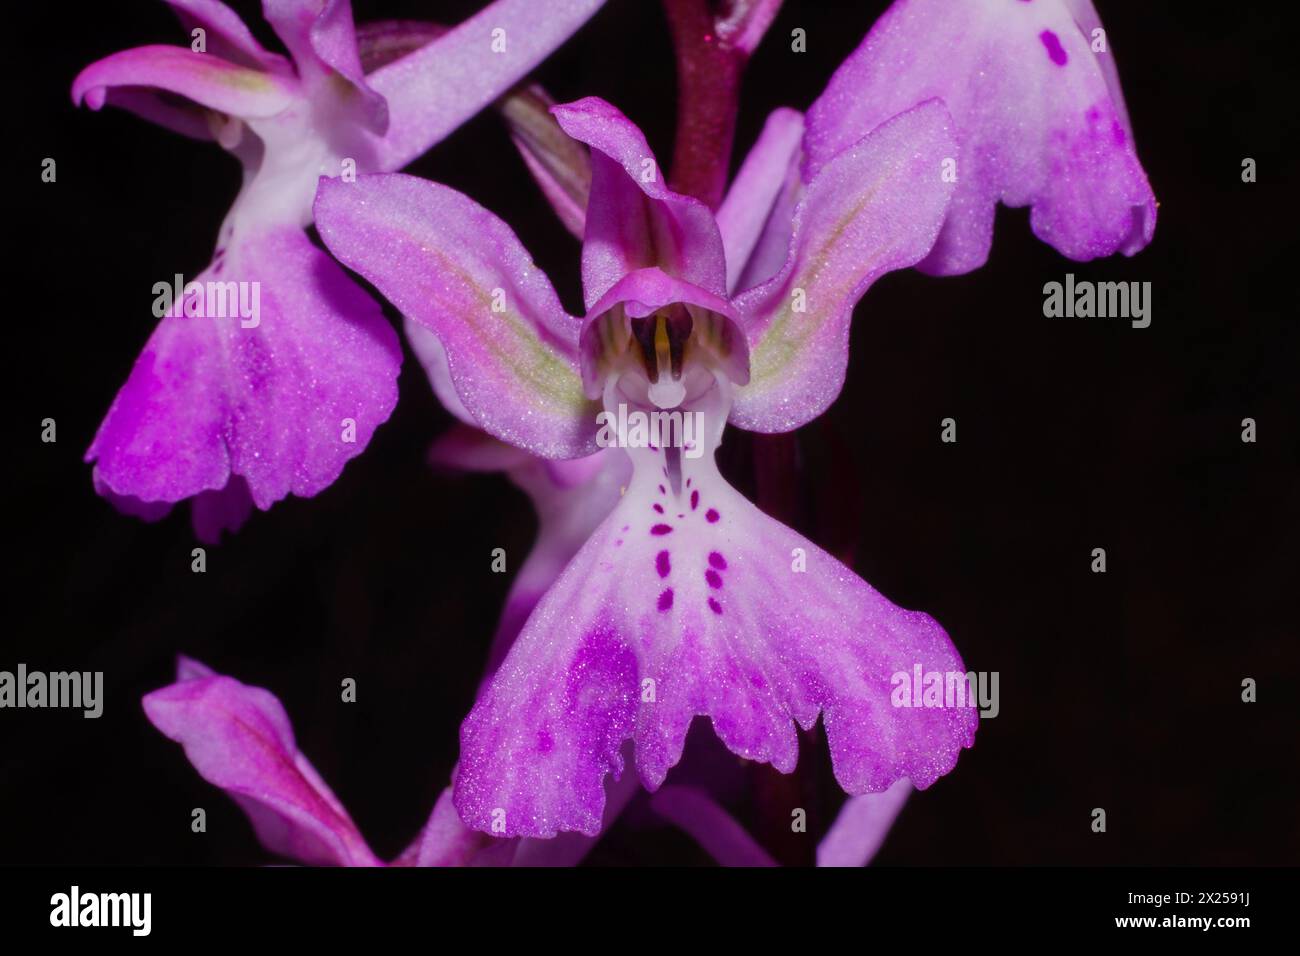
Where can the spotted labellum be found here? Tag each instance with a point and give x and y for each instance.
(687, 600)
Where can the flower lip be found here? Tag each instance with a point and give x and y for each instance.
(607, 331)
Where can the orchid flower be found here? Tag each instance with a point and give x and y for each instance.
(236, 410)
(687, 600)
(239, 738)
(858, 832)
(1038, 113)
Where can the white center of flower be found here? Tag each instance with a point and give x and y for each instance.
(667, 392)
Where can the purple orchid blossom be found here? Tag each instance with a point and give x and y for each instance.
(240, 411)
(687, 600)
(1038, 114)
(239, 738)
(655, 593)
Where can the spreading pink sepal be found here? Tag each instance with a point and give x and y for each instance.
(203, 78)
(438, 87)
(447, 263)
(876, 207)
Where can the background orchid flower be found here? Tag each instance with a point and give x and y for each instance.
(687, 600)
(233, 412)
(239, 738)
(1038, 114)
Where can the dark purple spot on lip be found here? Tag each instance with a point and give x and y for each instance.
(1054, 48)
(714, 606)
(661, 529)
(659, 508)
(665, 599)
(714, 578)
(1117, 131)
(545, 743)
(662, 565)
(688, 482)
(717, 560)
(695, 499)
(711, 516)
(661, 490)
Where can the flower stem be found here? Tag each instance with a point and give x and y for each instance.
(713, 42)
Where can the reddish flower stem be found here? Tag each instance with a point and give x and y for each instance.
(712, 50)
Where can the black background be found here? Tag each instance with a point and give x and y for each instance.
(1119, 690)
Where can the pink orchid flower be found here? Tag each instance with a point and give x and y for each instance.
(687, 600)
(1038, 114)
(239, 738)
(242, 410)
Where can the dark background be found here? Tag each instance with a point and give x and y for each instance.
(1119, 690)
